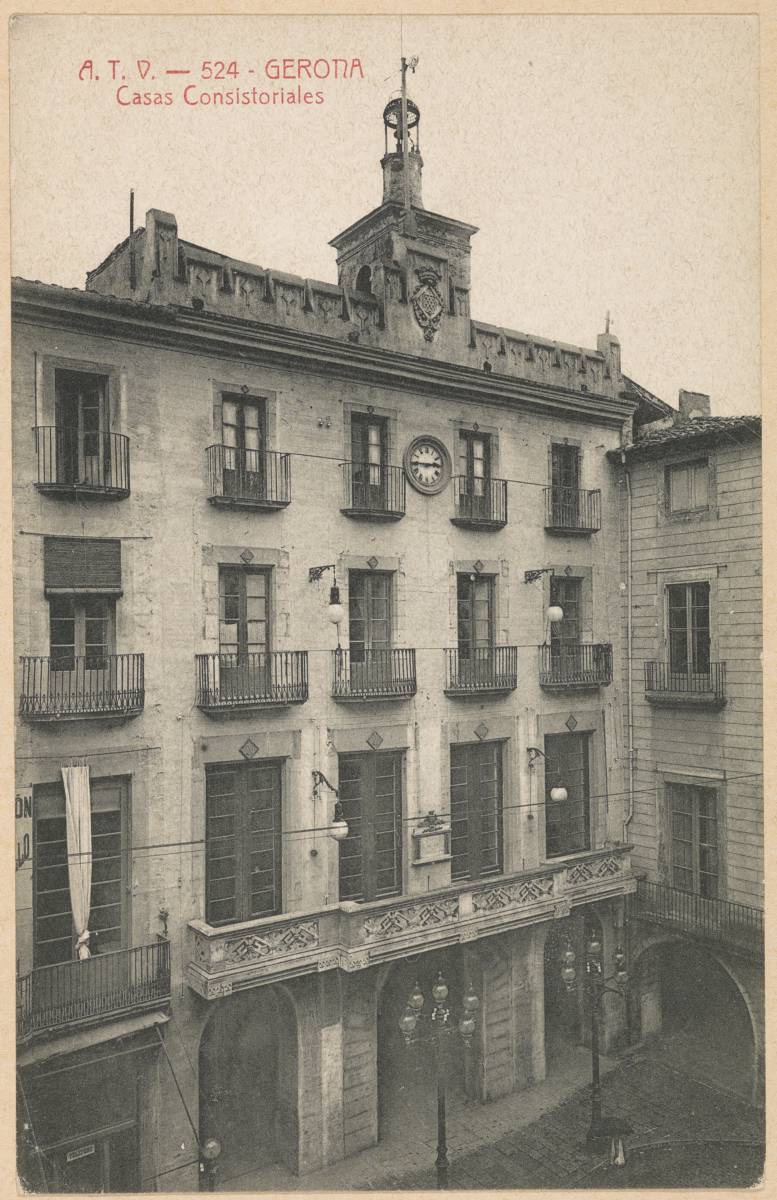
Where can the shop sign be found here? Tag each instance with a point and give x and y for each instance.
(81, 1152)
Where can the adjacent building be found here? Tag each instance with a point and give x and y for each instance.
(322, 689)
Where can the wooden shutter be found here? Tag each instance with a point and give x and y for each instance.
(371, 855)
(82, 564)
(476, 810)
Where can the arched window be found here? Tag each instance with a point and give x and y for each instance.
(364, 281)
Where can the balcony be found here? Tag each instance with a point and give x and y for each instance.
(485, 511)
(572, 511)
(373, 492)
(481, 671)
(74, 464)
(61, 689)
(685, 689)
(737, 926)
(236, 683)
(80, 991)
(352, 936)
(568, 666)
(373, 674)
(259, 479)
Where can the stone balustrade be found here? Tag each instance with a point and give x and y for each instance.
(353, 936)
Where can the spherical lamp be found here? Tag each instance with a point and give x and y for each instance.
(407, 1024)
(440, 989)
(469, 1000)
(555, 613)
(335, 612)
(339, 827)
(210, 1149)
(416, 1000)
(559, 794)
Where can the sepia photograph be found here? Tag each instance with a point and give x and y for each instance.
(387, 602)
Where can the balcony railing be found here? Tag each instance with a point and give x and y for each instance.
(373, 491)
(97, 685)
(479, 503)
(105, 985)
(570, 510)
(248, 478)
(373, 674)
(232, 681)
(353, 936)
(725, 921)
(481, 669)
(571, 665)
(94, 464)
(689, 689)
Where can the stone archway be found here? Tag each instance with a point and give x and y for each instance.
(693, 1005)
(248, 1081)
(406, 1093)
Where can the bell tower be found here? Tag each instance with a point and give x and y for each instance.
(402, 166)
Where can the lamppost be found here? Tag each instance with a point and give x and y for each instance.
(596, 987)
(210, 1150)
(441, 1026)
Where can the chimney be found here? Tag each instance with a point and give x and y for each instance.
(693, 404)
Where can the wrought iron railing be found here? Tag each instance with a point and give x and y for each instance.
(572, 509)
(727, 921)
(96, 463)
(251, 477)
(480, 501)
(481, 669)
(372, 490)
(373, 674)
(227, 681)
(570, 664)
(701, 685)
(81, 989)
(84, 685)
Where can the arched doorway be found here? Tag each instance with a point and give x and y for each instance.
(248, 1081)
(691, 1006)
(564, 1026)
(407, 1079)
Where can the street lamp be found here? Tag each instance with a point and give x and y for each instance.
(441, 1025)
(210, 1151)
(596, 986)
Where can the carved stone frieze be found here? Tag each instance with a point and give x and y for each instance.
(602, 868)
(513, 895)
(419, 916)
(287, 940)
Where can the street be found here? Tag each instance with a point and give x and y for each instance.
(688, 1131)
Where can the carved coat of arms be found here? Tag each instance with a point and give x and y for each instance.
(428, 304)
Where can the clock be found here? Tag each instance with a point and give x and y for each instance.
(427, 465)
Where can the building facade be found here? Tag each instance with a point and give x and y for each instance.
(691, 545)
(245, 829)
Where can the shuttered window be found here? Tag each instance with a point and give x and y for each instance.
(476, 810)
(82, 564)
(694, 836)
(567, 822)
(243, 840)
(371, 796)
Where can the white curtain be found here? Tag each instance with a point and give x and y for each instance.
(78, 814)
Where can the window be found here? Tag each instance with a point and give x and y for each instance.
(688, 621)
(81, 627)
(244, 632)
(243, 840)
(369, 455)
(687, 486)
(476, 810)
(81, 416)
(566, 592)
(565, 481)
(475, 613)
(243, 432)
(475, 471)
(694, 837)
(567, 822)
(53, 918)
(369, 613)
(371, 796)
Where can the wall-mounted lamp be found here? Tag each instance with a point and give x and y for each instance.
(534, 754)
(558, 794)
(335, 611)
(339, 827)
(555, 613)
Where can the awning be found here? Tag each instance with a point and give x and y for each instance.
(84, 1039)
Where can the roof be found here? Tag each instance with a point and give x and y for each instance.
(653, 402)
(698, 431)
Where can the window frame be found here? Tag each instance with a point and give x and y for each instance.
(558, 778)
(243, 571)
(474, 868)
(355, 575)
(242, 909)
(369, 763)
(693, 795)
(473, 580)
(690, 636)
(685, 465)
(80, 601)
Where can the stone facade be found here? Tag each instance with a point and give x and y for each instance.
(170, 329)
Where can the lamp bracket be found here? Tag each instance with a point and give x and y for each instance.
(315, 573)
(318, 779)
(533, 576)
(534, 754)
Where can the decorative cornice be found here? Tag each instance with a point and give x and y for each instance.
(183, 329)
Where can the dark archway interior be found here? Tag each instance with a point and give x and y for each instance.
(567, 1013)
(364, 281)
(407, 1089)
(705, 1024)
(248, 1081)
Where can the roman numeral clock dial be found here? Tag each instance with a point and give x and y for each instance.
(427, 465)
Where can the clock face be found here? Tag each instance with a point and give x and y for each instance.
(427, 465)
